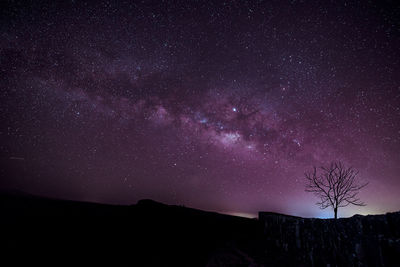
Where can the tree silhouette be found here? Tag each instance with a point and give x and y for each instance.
(336, 186)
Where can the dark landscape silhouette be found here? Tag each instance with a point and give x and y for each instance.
(41, 231)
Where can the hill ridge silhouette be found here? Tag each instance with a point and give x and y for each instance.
(150, 233)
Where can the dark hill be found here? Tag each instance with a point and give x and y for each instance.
(39, 231)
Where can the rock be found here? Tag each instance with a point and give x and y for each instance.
(372, 240)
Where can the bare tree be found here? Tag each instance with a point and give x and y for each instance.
(336, 186)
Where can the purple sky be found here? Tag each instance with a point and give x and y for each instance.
(217, 105)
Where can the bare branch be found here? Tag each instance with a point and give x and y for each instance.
(335, 186)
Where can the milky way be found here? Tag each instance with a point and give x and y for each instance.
(217, 105)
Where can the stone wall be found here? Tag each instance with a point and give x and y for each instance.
(372, 240)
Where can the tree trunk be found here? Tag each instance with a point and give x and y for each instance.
(335, 209)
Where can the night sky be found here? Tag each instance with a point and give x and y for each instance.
(216, 105)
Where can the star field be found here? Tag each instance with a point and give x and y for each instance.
(217, 105)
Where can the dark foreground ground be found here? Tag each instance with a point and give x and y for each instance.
(38, 231)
